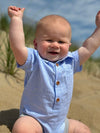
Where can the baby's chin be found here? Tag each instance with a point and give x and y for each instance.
(54, 60)
(51, 60)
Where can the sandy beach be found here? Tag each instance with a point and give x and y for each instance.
(85, 105)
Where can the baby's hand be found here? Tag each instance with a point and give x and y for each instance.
(15, 11)
(98, 19)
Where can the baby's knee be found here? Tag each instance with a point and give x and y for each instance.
(20, 128)
(26, 125)
(23, 129)
(78, 127)
(17, 128)
(85, 129)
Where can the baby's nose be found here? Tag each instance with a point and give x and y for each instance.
(54, 45)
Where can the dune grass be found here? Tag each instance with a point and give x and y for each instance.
(92, 66)
(7, 60)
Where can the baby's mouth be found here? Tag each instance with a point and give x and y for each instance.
(53, 52)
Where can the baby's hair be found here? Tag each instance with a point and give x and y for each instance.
(48, 20)
(53, 18)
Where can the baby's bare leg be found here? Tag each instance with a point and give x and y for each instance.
(27, 124)
(77, 127)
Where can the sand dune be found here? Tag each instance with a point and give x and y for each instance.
(85, 105)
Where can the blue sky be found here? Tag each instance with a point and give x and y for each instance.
(80, 13)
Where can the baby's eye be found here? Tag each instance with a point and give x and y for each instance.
(61, 42)
(49, 41)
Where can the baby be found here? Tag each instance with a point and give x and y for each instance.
(49, 70)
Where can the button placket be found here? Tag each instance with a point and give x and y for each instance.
(57, 83)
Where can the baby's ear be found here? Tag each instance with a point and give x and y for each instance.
(35, 43)
(70, 44)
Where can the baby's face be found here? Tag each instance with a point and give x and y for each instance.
(53, 42)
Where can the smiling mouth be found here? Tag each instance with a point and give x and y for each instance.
(53, 53)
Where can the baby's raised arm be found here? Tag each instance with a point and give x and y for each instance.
(16, 34)
(91, 44)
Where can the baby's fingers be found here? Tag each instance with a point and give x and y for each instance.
(15, 11)
(22, 9)
(14, 8)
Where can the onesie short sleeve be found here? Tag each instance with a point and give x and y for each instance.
(28, 66)
(77, 67)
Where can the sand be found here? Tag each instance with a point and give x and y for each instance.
(85, 105)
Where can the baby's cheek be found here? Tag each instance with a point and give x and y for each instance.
(64, 51)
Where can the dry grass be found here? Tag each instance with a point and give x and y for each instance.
(92, 67)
